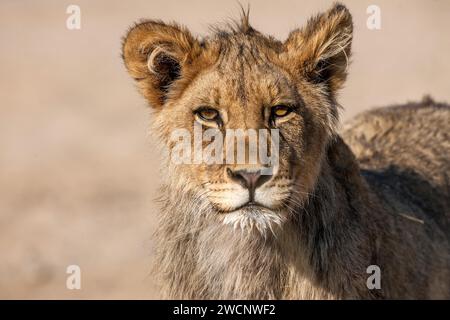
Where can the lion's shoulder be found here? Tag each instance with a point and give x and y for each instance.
(413, 135)
(404, 153)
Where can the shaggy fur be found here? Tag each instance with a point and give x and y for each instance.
(327, 214)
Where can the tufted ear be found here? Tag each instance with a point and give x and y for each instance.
(155, 55)
(321, 50)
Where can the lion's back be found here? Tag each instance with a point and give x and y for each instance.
(404, 154)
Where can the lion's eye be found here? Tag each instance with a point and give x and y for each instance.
(281, 111)
(208, 114)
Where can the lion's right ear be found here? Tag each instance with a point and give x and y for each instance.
(155, 55)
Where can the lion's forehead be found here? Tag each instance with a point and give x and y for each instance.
(238, 86)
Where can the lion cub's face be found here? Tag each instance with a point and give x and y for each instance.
(233, 96)
(246, 118)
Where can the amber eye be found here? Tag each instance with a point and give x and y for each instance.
(208, 114)
(281, 111)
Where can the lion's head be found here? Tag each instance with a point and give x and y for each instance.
(239, 78)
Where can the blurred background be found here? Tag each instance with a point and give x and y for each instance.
(78, 172)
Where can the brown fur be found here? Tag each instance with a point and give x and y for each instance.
(337, 218)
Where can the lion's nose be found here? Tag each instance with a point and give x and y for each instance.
(250, 179)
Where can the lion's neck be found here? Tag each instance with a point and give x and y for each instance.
(321, 252)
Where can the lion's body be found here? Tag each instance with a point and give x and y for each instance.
(404, 151)
(323, 217)
(404, 155)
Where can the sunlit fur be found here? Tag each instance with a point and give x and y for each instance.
(323, 220)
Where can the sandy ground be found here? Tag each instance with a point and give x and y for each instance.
(78, 174)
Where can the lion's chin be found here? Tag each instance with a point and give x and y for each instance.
(254, 218)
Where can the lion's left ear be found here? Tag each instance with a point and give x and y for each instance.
(155, 55)
(321, 50)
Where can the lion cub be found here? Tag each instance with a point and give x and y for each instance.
(316, 221)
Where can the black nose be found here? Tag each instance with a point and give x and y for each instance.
(248, 179)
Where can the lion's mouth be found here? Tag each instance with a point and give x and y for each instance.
(254, 216)
(248, 206)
